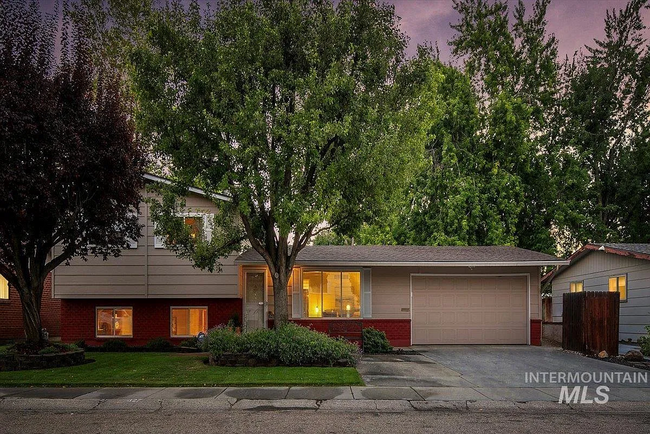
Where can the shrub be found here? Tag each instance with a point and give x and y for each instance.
(192, 342)
(223, 340)
(160, 345)
(375, 341)
(49, 350)
(644, 342)
(80, 343)
(291, 345)
(114, 346)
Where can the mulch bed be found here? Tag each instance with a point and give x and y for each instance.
(620, 360)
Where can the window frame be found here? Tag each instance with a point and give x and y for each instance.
(617, 277)
(359, 270)
(113, 336)
(171, 317)
(575, 282)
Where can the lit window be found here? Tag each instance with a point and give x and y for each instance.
(619, 283)
(575, 287)
(331, 294)
(4, 289)
(189, 321)
(115, 321)
(194, 224)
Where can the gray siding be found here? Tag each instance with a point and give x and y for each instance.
(595, 270)
(146, 272)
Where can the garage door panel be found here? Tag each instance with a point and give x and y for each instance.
(469, 310)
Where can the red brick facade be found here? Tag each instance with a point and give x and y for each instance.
(151, 317)
(536, 332)
(11, 314)
(398, 331)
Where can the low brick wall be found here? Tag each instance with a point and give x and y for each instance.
(21, 362)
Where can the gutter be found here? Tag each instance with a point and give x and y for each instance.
(417, 264)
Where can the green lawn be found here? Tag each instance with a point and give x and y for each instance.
(171, 369)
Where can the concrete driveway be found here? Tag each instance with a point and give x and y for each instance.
(492, 372)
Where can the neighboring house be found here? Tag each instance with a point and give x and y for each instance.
(624, 268)
(11, 312)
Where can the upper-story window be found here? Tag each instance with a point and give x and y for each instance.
(196, 222)
(619, 283)
(4, 289)
(576, 286)
(331, 294)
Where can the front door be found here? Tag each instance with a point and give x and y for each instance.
(255, 289)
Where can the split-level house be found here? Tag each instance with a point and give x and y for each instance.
(416, 294)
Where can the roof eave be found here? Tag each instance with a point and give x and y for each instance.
(415, 264)
(195, 190)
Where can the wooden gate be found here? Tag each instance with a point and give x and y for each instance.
(590, 322)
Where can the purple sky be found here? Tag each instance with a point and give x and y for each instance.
(574, 22)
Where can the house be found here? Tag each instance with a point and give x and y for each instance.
(624, 268)
(11, 312)
(417, 295)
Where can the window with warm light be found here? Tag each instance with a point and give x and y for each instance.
(576, 286)
(189, 321)
(4, 289)
(619, 283)
(194, 224)
(331, 294)
(114, 322)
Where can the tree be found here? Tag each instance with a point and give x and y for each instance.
(603, 139)
(301, 112)
(70, 170)
(513, 68)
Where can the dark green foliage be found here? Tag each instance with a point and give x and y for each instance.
(375, 341)
(160, 345)
(80, 343)
(114, 346)
(192, 342)
(290, 345)
(644, 342)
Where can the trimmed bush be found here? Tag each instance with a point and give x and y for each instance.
(114, 346)
(159, 345)
(291, 345)
(49, 350)
(375, 341)
(192, 342)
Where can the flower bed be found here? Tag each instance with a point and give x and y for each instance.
(291, 345)
(19, 362)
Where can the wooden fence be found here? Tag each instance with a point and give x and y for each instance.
(590, 322)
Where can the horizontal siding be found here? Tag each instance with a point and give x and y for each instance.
(595, 270)
(147, 271)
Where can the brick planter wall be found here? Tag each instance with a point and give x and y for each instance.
(151, 317)
(11, 314)
(398, 331)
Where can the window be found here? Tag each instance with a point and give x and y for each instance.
(4, 289)
(331, 294)
(196, 223)
(189, 321)
(575, 286)
(619, 283)
(115, 322)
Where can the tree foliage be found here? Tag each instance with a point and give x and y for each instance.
(70, 171)
(302, 112)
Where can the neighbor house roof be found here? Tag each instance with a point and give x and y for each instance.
(413, 256)
(156, 178)
(638, 251)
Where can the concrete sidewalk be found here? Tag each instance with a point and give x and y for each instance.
(390, 399)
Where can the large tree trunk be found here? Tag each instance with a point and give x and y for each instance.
(31, 303)
(280, 296)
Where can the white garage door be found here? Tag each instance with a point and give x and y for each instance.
(470, 310)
